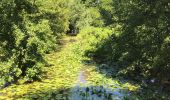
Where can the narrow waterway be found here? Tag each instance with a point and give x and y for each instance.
(69, 78)
(81, 78)
(84, 91)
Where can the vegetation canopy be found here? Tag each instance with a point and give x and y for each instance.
(62, 46)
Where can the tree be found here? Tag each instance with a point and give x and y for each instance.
(28, 30)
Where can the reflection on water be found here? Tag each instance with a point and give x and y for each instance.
(81, 78)
(83, 92)
(95, 93)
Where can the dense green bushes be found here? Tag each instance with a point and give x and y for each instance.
(92, 37)
(134, 34)
(140, 45)
(82, 16)
(28, 30)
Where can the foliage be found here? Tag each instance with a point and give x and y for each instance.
(28, 30)
(61, 80)
(129, 37)
(82, 16)
(141, 46)
(92, 37)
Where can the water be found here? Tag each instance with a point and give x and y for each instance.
(95, 93)
(83, 92)
(81, 78)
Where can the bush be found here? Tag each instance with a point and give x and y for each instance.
(141, 46)
(92, 37)
(29, 29)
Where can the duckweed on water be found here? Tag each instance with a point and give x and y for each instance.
(62, 80)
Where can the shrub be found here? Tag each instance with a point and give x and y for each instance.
(28, 30)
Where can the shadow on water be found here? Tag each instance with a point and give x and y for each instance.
(147, 91)
(103, 68)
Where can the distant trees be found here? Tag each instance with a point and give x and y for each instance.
(82, 15)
